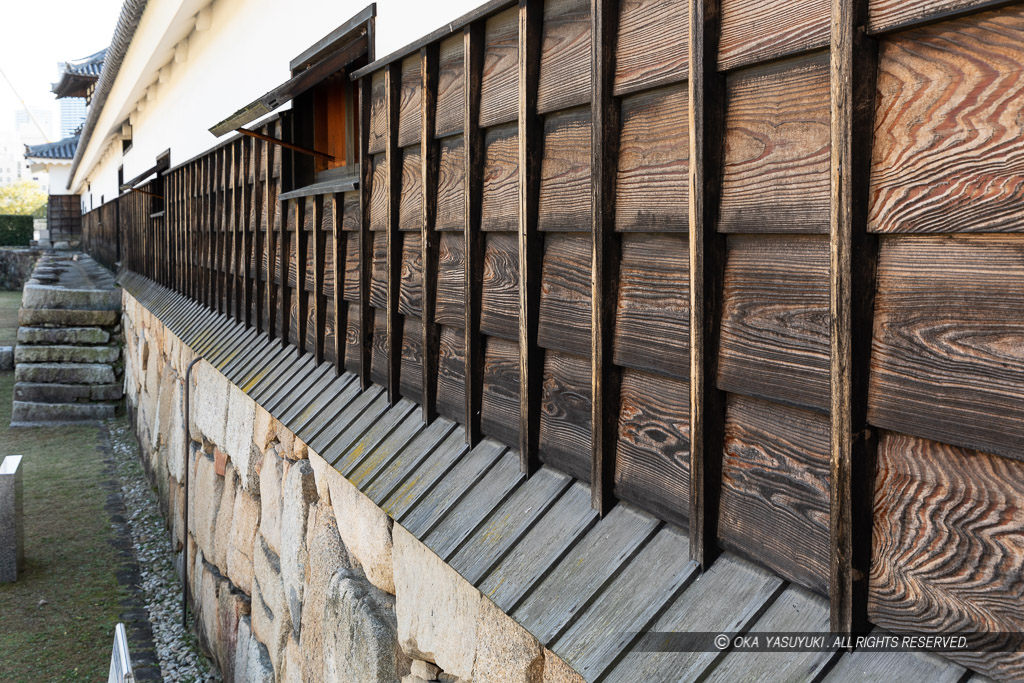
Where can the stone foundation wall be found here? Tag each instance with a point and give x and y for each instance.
(295, 575)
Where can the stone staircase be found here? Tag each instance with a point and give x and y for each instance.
(68, 365)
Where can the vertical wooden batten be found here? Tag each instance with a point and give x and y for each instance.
(473, 50)
(605, 253)
(247, 236)
(429, 237)
(299, 293)
(259, 241)
(270, 201)
(531, 359)
(393, 193)
(319, 301)
(365, 340)
(338, 245)
(707, 265)
(853, 257)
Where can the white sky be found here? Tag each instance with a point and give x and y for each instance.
(36, 34)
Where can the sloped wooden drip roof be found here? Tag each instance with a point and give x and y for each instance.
(586, 587)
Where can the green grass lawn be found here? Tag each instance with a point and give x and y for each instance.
(10, 302)
(70, 562)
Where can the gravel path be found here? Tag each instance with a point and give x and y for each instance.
(180, 658)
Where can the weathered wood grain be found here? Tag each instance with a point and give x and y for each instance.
(365, 435)
(410, 383)
(565, 419)
(563, 594)
(500, 207)
(378, 209)
(498, 89)
(795, 26)
(379, 347)
(379, 273)
(890, 15)
(541, 547)
(652, 468)
(410, 211)
(451, 280)
(949, 150)
(564, 203)
(409, 106)
(500, 297)
(438, 463)
(410, 292)
(862, 664)
(372, 462)
(378, 124)
(949, 548)
(378, 487)
(775, 329)
(565, 294)
(564, 79)
(450, 92)
(499, 411)
(350, 212)
(651, 186)
(775, 489)
(353, 348)
(653, 312)
(776, 171)
(451, 184)
(451, 374)
(652, 46)
(351, 275)
(947, 358)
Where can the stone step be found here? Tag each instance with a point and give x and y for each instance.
(66, 354)
(62, 335)
(57, 317)
(28, 413)
(40, 296)
(64, 373)
(66, 393)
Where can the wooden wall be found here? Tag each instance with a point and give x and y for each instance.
(754, 266)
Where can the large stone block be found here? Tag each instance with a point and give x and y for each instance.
(326, 555)
(252, 660)
(505, 651)
(55, 317)
(359, 632)
(271, 619)
(12, 532)
(222, 523)
(557, 671)
(64, 373)
(365, 529)
(321, 473)
(170, 425)
(238, 437)
(438, 611)
(208, 404)
(52, 393)
(6, 358)
(39, 296)
(245, 521)
(298, 494)
(66, 354)
(24, 413)
(63, 335)
(205, 495)
(272, 471)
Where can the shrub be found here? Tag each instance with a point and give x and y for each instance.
(15, 231)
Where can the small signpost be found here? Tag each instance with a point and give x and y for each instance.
(120, 662)
(12, 532)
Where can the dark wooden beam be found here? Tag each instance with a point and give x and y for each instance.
(365, 236)
(299, 293)
(223, 218)
(319, 301)
(531, 356)
(338, 245)
(270, 204)
(259, 237)
(707, 266)
(393, 194)
(287, 145)
(429, 237)
(853, 257)
(604, 379)
(473, 52)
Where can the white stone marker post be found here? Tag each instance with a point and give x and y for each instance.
(12, 553)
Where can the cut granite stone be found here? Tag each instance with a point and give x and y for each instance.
(39, 296)
(53, 393)
(23, 413)
(12, 548)
(65, 373)
(66, 354)
(6, 358)
(63, 335)
(55, 317)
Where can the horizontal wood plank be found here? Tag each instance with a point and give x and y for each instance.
(565, 421)
(410, 212)
(564, 79)
(564, 315)
(450, 92)
(451, 185)
(499, 90)
(451, 280)
(409, 102)
(500, 297)
(652, 44)
(756, 31)
(564, 203)
(500, 204)
(499, 413)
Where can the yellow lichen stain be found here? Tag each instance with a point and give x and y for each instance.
(251, 383)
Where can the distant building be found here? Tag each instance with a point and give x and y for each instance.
(72, 115)
(28, 130)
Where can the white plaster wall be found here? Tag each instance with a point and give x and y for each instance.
(243, 53)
